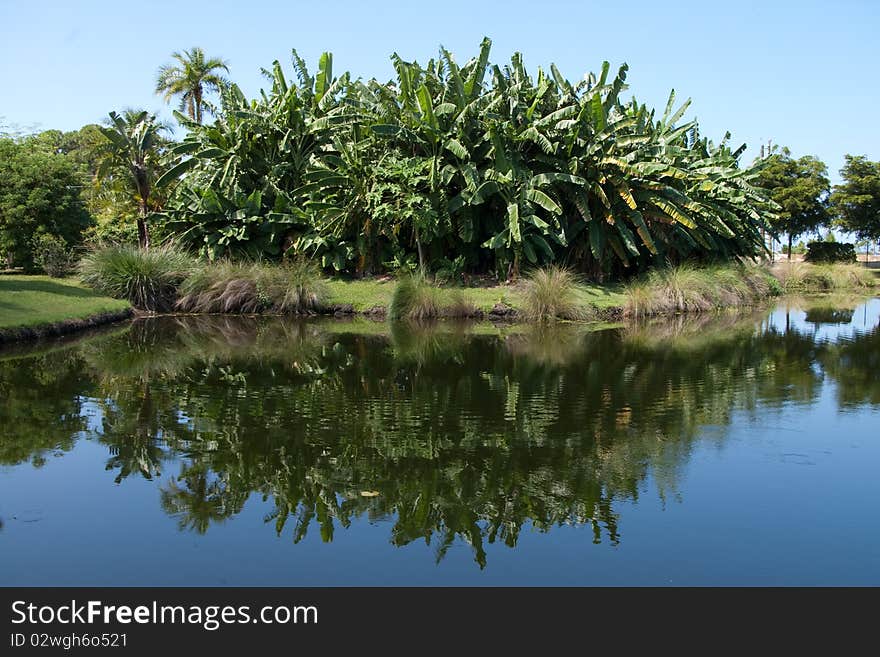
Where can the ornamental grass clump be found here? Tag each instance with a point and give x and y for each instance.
(685, 288)
(551, 293)
(415, 298)
(147, 278)
(804, 277)
(247, 288)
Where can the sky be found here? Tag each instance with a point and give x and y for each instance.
(800, 73)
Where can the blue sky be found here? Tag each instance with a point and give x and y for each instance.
(803, 74)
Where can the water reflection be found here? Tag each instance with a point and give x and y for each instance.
(447, 432)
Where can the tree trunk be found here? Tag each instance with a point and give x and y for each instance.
(198, 100)
(143, 230)
(421, 251)
(789, 246)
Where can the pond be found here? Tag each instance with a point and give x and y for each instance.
(726, 449)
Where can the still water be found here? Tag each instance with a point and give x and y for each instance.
(733, 449)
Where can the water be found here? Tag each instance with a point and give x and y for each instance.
(735, 449)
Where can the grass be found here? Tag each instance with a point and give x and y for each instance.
(371, 293)
(691, 289)
(417, 298)
(551, 293)
(30, 301)
(165, 279)
(148, 279)
(801, 277)
(361, 294)
(227, 287)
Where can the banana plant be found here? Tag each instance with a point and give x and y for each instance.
(263, 147)
(134, 144)
(477, 163)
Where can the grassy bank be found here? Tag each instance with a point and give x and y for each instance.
(367, 294)
(801, 277)
(166, 280)
(688, 289)
(691, 289)
(36, 306)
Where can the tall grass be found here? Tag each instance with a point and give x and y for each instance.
(551, 293)
(148, 279)
(690, 289)
(414, 298)
(230, 287)
(805, 277)
(417, 298)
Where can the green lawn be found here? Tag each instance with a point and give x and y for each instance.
(35, 300)
(365, 294)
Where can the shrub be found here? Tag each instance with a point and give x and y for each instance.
(52, 255)
(228, 287)
(551, 293)
(112, 229)
(147, 278)
(830, 252)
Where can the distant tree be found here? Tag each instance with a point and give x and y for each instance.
(195, 76)
(856, 201)
(135, 148)
(801, 188)
(39, 195)
(84, 147)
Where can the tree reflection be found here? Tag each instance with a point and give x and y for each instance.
(450, 434)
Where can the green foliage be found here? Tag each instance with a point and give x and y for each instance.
(112, 229)
(228, 287)
(799, 248)
(830, 252)
(31, 301)
(191, 80)
(53, 255)
(804, 277)
(481, 162)
(132, 162)
(800, 187)
(550, 293)
(856, 200)
(691, 289)
(39, 195)
(415, 298)
(147, 278)
(237, 195)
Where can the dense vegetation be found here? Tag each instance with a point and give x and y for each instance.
(830, 252)
(39, 195)
(453, 169)
(480, 167)
(800, 187)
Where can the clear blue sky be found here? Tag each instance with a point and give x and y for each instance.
(804, 74)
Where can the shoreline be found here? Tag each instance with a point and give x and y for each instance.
(28, 335)
(14, 334)
(371, 299)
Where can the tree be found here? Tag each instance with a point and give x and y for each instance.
(195, 76)
(801, 188)
(513, 169)
(135, 146)
(39, 195)
(856, 201)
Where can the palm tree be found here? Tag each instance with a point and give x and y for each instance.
(134, 146)
(195, 76)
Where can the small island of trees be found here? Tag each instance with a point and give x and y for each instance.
(449, 169)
